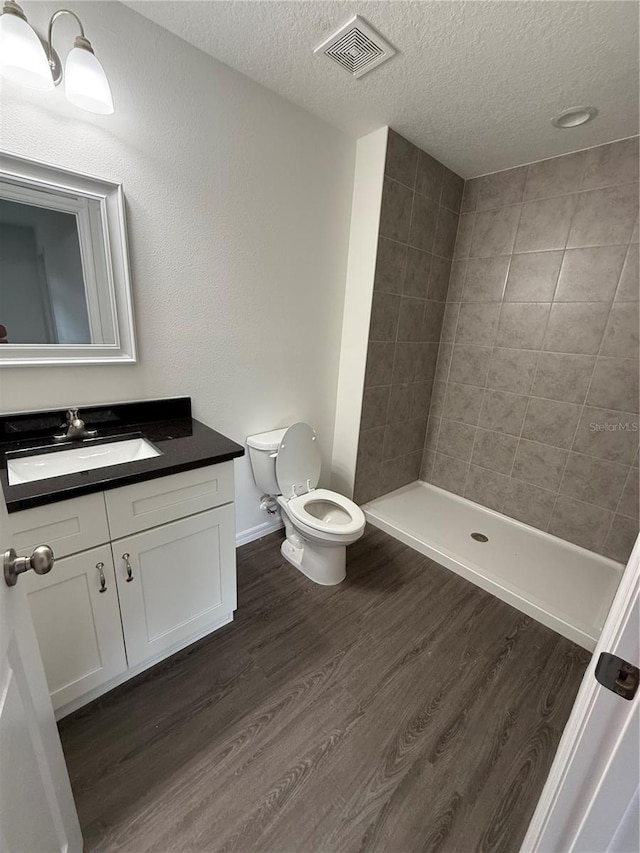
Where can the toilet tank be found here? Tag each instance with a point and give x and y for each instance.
(263, 449)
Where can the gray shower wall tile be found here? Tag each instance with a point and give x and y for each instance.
(614, 384)
(449, 473)
(533, 277)
(563, 376)
(629, 286)
(452, 189)
(439, 278)
(402, 159)
(432, 321)
(446, 233)
(429, 176)
(400, 403)
(421, 401)
(477, 323)
(503, 412)
(462, 403)
(462, 245)
(409, 301)
(615, 163)
(590, 275)
(379, 368)
(375, 402)
(528, 504)
(593, 480)
(621, 538)
(621, 334)
(551, 422)
(486, 487)
(395, 213)
(469, 364)
(417, 273)
(450, 322)
(391, 263)
(544, 430)
(501, 188)
(581, 523)
(512, 370)
(456, 439)
(539, 464)
(544, 224)
(629, 503)
(445, 352)
(494, 450)
(385, 310)
(576, 327)
(608, 434)
(554, 177)
(424, 222)
(604, 217)
(522, 324)
(485, 279)
(410, 319)
(470, 195)
(494, 232)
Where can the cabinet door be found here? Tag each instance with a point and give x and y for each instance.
(77, 622)
(176, 581)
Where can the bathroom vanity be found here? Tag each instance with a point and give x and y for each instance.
(144, 549)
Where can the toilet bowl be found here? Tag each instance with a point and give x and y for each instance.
(319, 523)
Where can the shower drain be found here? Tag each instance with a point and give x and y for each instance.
(479, 537)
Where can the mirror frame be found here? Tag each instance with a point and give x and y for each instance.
(63, 183)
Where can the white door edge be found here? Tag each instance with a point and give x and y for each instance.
(554, 822)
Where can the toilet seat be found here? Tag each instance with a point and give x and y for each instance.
(299, 461)
(301, 510)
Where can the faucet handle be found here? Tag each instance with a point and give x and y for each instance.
(72, 414)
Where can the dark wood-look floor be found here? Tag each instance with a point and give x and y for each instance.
(403, 710)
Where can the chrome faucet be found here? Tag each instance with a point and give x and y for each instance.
(76, 429)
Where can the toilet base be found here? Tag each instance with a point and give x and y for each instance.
(324, 565)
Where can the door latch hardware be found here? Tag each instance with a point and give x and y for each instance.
(618, 675)
(41, 561)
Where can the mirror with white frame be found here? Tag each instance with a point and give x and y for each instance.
(65, 288)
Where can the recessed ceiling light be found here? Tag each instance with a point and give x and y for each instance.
(574, 117)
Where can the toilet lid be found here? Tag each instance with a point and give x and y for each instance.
(299, 461)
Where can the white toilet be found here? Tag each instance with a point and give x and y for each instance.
(319, 524)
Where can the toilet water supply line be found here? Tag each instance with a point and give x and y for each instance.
(269, 504)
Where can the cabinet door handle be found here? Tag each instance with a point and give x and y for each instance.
(126, 557)
(103, 582)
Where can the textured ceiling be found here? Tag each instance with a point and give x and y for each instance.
(475, 83)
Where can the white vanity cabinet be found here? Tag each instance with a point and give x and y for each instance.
(172, 581)
(161, 575)
(77, 620)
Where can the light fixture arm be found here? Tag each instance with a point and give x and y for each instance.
(81, 41)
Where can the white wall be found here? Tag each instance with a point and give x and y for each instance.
(238, 208)
(371, 154)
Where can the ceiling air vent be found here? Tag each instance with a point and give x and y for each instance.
(357, 47)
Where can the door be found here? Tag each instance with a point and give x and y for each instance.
(176, 582)
(77, 620)
(589, 802)
(37, 812)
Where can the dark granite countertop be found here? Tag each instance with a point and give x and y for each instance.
(184, 443)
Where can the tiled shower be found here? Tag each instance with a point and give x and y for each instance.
(533, 398)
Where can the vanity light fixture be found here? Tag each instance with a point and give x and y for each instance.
(27, 59)
(574, 117)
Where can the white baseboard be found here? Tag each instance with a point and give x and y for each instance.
(257, 532)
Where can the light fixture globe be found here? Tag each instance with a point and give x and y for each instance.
(85, 83)
(22, 57)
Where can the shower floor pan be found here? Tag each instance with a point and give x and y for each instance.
(563, 586)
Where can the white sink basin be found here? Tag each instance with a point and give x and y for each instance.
(26, 469)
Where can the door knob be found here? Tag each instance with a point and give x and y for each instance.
(41, 561)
